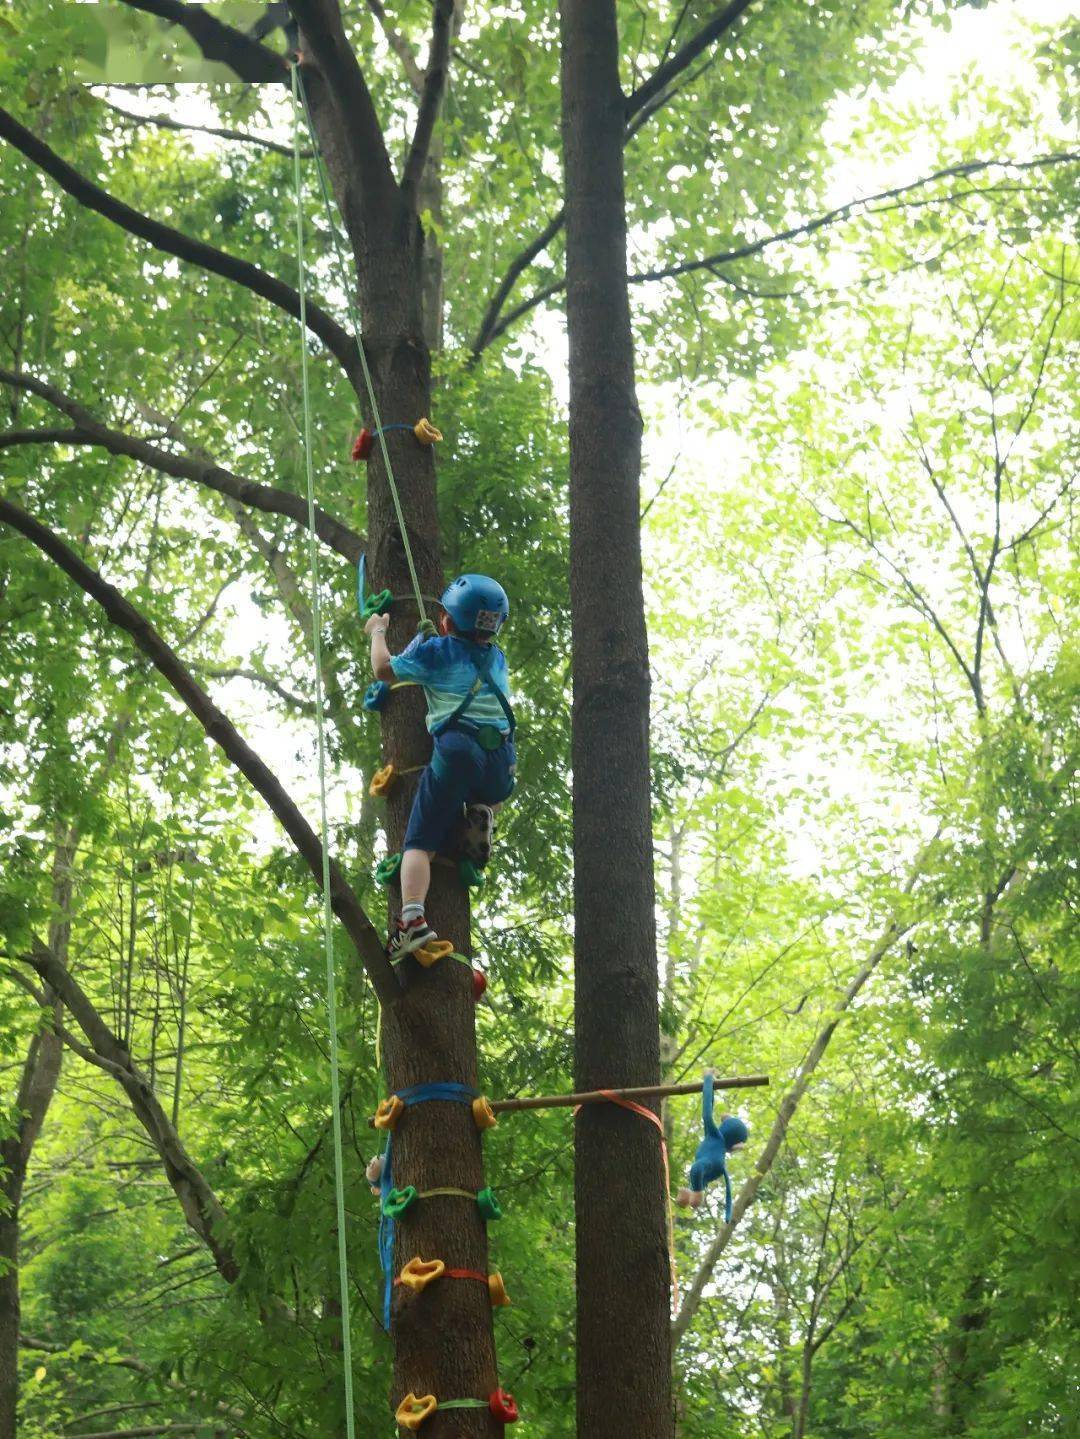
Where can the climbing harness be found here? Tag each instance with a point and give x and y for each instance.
(316, 627)
(425, 626)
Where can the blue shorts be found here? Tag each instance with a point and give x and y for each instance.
(461, 772)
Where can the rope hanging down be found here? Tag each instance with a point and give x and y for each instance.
(328, 936)
(426, 625)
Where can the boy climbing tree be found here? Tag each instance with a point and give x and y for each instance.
(465, 681)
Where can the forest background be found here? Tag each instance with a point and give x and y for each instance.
(858, 523)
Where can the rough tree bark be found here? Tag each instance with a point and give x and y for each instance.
(623, 1337)
(37, 1085)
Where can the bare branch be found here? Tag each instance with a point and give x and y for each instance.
(430, 99)
(400, 46)
(90, 431)
(256, 677)
(492, 327)
(222, 132)
(200, 1205)
(489, 326)
(686, 55)
(901, 921)
(335, 337)
(120, 612)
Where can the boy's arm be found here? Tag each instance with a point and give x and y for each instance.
(380, 652)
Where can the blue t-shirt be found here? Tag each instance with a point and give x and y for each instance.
(443, 666)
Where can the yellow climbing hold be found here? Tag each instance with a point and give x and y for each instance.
(382, 782)
(426, 432)
(430, 953)
(389, 1112)
(497, 1289)
(412, 1412)
(483, 1114)
(419, 1273)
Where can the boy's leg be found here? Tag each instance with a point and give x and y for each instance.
(440, 796)
(415, 878)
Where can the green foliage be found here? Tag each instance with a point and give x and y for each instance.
(836, 424)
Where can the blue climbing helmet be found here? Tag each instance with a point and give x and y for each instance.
(476, 604)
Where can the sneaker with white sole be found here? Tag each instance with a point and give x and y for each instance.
(476, 837)
(409, 935)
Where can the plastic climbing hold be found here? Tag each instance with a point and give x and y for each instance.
(483, 1114)
(376, 604)
(412, 1412)
(504, 1407)
(382, 782)
(426, 432)
(376, 695)
(488, 1205)
(362, 444)
(469, 875)
(387, 870)
(399, 1201)
(389, 1112)
(419, 1273)
(430, 953)
(479, 983)
(497, 1290)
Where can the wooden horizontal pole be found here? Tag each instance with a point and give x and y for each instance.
(598, 1096)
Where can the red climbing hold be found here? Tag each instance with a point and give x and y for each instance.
(479, 984)
(362, 448)
(504, 1407)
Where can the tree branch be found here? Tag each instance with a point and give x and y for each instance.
(345, 904)
(400, 46)
(166, 122)
(642, 104)
(256, 677)
(686, 55)
(492, 327)
(358, 122)
(899, 924)
(90, 431)
(430, 100)
(201, 1207)
(247, 58)
(13, 438)
(335, 337)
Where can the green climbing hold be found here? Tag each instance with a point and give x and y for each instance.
(398, 1201)
(387, 870)
(488, 1205)
(376, 604)
(469, 875)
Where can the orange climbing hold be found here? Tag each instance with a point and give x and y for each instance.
(389, 1112)
(497, 1289)
(426, 432)
(382, 782)
(419, 1273)
(430, 953)
(412, 1412)
(483, 1115)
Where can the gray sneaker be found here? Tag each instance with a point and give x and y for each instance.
(476, 838)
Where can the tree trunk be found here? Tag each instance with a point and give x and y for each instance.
(623, 1341)
(36, 1088)
(443, 1338)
